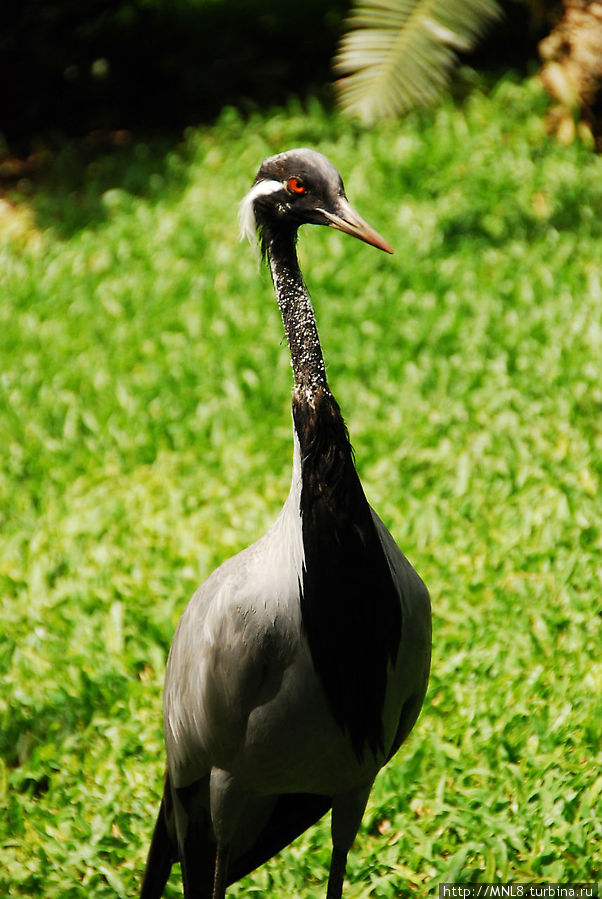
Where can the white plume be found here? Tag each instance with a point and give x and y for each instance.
(246, 212)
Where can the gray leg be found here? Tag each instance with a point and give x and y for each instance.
(347, 813)
(196, 850)
(338, 866)
(227, 800)
(220, 879)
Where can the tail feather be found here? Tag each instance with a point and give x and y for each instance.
(161, 854)
(293, 813)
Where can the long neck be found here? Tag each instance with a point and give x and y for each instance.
(297, 315)
(349, 606)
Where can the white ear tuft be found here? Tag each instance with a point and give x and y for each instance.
(246, 212)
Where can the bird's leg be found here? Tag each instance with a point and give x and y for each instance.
(338, 866)
(196, 854)
(227, 800)
(347, 812)
(220, 877)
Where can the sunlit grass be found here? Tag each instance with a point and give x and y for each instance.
(145, 437)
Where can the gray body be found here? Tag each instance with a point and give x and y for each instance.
(245, 715)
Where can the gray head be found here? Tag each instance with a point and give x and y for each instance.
(301, 187)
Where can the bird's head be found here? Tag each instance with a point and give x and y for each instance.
(301, 187)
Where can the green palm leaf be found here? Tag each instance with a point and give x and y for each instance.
(398, 54)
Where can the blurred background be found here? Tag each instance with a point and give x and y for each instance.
(69, 68)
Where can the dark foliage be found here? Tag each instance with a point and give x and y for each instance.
(71, 67)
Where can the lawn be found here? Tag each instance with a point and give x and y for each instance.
(145, 436)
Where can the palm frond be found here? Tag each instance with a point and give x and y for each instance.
(398, 54)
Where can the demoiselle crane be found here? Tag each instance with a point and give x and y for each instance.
(300, 666)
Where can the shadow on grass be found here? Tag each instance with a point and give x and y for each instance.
(156, 65)
(93, 85)
(112, 74)
(65, 187)
(60, 714)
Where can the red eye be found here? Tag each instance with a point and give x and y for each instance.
(296, 186)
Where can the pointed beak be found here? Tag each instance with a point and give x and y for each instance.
(347, 219)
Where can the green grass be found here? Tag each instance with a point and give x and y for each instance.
(145, 437)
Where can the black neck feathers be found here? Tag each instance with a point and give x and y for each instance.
(296, 309)
(349, 604)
